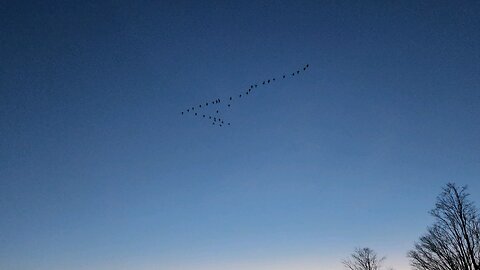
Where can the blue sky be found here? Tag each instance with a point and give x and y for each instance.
(98, 169)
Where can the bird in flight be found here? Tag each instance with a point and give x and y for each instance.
(217, 101)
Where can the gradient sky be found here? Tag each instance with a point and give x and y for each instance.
(98, 169)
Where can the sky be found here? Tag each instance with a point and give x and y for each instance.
(99, 169)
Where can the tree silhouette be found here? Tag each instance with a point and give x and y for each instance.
(363, 259)
(453, 241)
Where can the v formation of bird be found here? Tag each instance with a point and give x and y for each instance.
(216, 119)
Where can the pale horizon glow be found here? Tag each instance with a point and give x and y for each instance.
(273, 263)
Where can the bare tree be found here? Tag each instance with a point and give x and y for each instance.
(453, 242)
(363, 259)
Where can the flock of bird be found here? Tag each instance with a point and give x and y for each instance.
(215, 118)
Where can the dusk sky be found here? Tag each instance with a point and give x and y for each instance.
(99, 169)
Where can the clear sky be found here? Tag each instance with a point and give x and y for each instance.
(99, 170)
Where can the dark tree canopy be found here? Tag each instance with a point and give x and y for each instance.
(453, 241)
(363, 259)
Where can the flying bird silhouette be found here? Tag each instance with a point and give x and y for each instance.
(230, 98)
